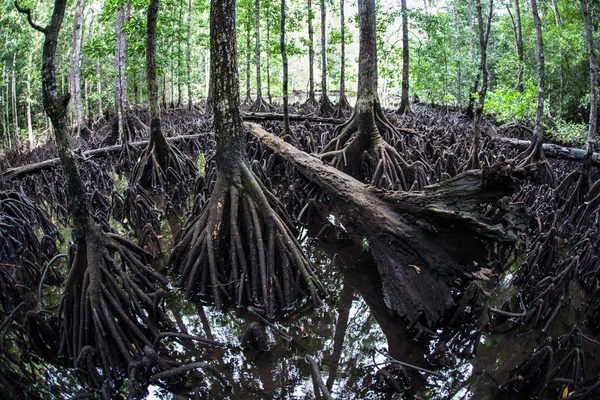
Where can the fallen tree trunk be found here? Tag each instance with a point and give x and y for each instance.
(422, 240)
(34, 168)
(552, 150)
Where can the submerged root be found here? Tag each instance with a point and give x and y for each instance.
(240, 250)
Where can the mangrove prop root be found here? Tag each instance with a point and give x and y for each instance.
(110, 304)
(240, 251)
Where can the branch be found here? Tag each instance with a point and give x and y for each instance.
(27, 12)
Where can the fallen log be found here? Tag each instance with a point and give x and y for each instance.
(34, 168)
(421, 241)
(551, 150)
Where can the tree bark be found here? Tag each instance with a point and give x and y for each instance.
(484, 34)
(589, 36)
(325, 106)
(459, 54)
(557, 17)
(189, 55)
(538, 131)
(30, 136)
(518, 33)
(284, 61)
(248, 41)
(342, 106)
(99, 87)
(419, 240)
(404, 102)
(75, 74)
(268, 55)
(471, 31)
(311, 101)
(14, 143)
(259, 105)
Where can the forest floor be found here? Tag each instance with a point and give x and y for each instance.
(523, 321)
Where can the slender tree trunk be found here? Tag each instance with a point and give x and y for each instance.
(248, 53)
(343, 106)
(15, 108)
(459, 57)
(539, 109)
(55, 105)
(257, 47)
(179, 58)
(557, 17)
(484, 34)
(343, 52)
(516, 23)
(324, 92)
(75, 74)
(30, 137)
(471, 32)
(121, 94)
(284, 60)
(589, 36)
(189, 56)
(268, 57)
(99, 86)
(4, 105)
(404, 103)
(311, 56)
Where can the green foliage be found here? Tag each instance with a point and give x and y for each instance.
(569, 133)
(508, 104)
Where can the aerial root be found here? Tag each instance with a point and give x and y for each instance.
(260, 261)
(110, 307)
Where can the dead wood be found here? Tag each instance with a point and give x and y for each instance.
(34, 168)
(420, 240)
(552, 150)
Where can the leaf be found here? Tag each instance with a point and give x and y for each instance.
(565, 392)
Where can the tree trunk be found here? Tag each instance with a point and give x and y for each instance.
(535, 153)
(14, 143)
(284, 60)
(259, 105)
(404, 102)
(557, 17)
(343, 106)
(311, 101)
(189, 55)
(518, 33)
(359, 147)
(75, 75)
(325, 105)
(179, 58)
(99, 87)
(589, 36)
(471, 32)
(419, 240)
(248, 99)
(4, 106)
(30, 137)
(459, 57)
(538, 131)
(240, 208)
(268, 55)
(159, 156)
(484, 34)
